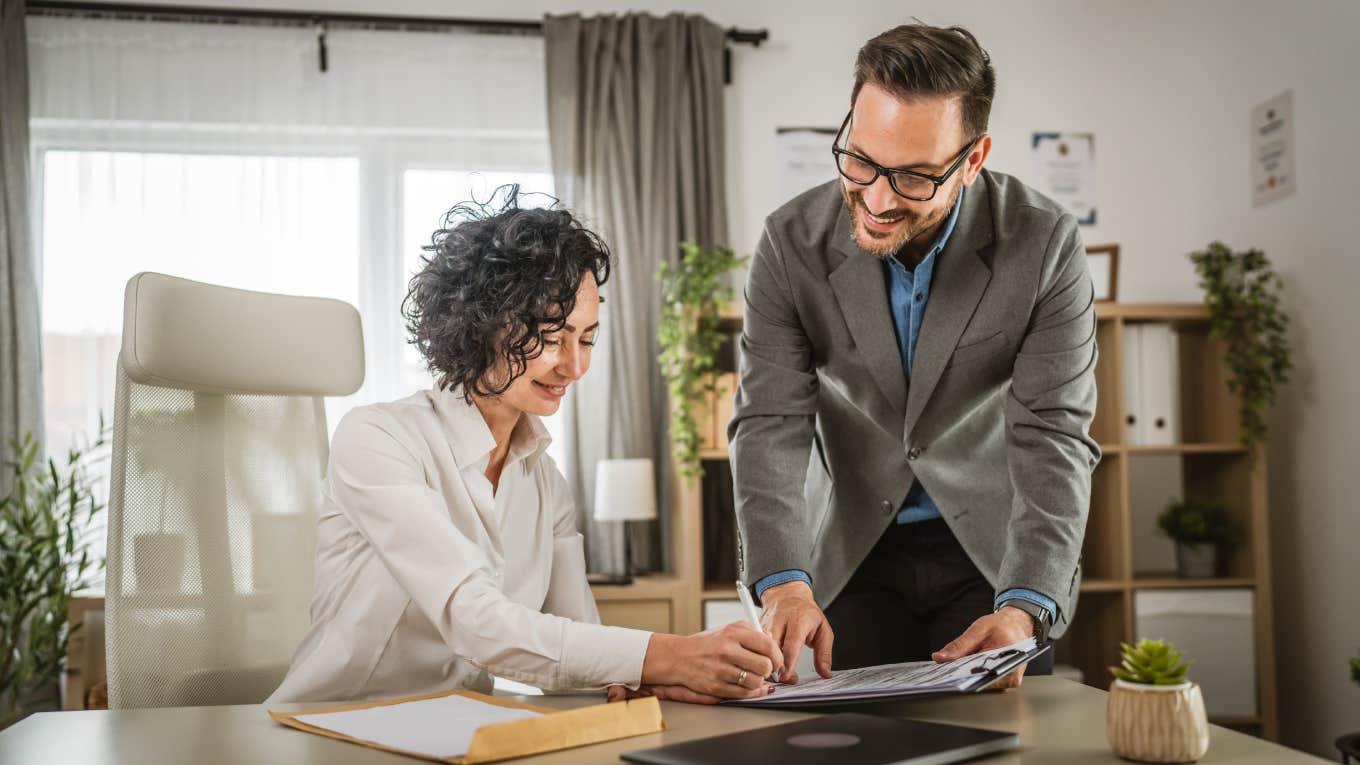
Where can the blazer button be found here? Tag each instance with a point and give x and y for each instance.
(887, 506)
(914, 453)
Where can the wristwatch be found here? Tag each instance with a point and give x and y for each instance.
(1043, 620)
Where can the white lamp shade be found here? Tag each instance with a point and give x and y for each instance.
(625, 490)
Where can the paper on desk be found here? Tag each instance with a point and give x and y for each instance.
(440, 727)
(913, 677)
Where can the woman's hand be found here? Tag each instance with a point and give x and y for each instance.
(663, 692)
(731, 662)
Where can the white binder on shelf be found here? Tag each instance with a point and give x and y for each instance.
(1159, 368)
(1133, 384)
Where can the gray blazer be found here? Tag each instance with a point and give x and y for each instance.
(828, 434)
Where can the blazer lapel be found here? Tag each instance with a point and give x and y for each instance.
(863, 299)
(961, 276)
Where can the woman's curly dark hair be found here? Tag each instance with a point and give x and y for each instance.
(497, 278)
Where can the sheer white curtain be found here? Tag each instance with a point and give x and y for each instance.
(224, 154)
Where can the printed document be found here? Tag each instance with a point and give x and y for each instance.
(892, 680)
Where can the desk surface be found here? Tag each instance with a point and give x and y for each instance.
(1058, 721)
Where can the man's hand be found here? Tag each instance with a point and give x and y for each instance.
(1006, 626)
(792, 618)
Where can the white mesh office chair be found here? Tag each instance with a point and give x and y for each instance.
(219, 447)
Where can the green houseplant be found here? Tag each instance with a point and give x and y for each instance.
(1202, 530)
(1154, 713)
(44, 558)
(1355, 668)
(693, 291)
(1242, 293)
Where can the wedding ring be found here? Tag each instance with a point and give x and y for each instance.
(741, 678)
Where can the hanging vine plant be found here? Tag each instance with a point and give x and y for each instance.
(1242, 292)
(692, 294)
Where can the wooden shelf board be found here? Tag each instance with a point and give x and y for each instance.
(1216, 447)
(649, 587)
(1108, 449)
(1177, 583)
(1153, 311)
(1102, 585)
(716, 592)
(713, 454)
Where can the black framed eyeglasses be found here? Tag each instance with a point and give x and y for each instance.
(918, 187)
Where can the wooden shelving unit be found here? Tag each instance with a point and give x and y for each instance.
(1215, 466)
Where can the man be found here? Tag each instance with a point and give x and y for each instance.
(910, 445)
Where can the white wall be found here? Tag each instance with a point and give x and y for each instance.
(1167, 88)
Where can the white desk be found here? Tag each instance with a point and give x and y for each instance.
(1058, 721)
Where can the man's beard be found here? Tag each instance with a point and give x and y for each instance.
(888, 245)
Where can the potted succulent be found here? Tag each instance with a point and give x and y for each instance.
(1154, 713)
(1202, 531)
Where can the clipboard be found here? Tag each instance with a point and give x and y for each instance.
(988, 677)
(551, 730)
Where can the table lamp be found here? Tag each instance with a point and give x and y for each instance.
(625, 490)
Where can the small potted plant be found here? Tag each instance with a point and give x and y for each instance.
(1154, 713)
(1202, 530)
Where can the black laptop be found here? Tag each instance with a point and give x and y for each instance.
(847, 739)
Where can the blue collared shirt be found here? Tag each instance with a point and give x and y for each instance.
(908, 293)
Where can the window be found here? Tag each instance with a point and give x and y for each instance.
(222, 153)
(270, 223)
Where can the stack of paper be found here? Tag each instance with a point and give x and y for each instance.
(440, 728)
(913, 678)
(463, 727)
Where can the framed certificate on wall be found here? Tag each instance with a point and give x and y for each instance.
(1103, 261)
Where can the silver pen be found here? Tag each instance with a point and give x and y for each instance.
(748, 604)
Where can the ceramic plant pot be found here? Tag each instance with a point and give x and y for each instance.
(1157, 723)
(1197, 561)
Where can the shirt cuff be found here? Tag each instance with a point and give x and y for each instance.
(597, 656)
(1019, 593)
(781, 577)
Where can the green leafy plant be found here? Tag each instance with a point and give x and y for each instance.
(1151, 662)
(1242, 293)
(692, 293)
(1195, 523)
(1355, 669)
(44, 558)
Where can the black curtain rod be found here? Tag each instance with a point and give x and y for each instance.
(148, 12)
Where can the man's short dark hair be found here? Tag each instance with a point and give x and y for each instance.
(497, 278)
(916, 60)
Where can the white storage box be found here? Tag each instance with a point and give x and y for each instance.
(1215, 629)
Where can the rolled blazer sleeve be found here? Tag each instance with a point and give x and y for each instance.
(772, 424)
(378, 483)
(1048, 413)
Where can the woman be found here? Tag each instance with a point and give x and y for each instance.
(447, 548)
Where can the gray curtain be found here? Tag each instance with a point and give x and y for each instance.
(635, 125)
(20, 336)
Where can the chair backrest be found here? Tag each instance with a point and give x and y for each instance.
(219, 448)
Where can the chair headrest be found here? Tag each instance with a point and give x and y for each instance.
(179, 333)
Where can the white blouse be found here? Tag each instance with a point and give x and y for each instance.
(425, 581)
